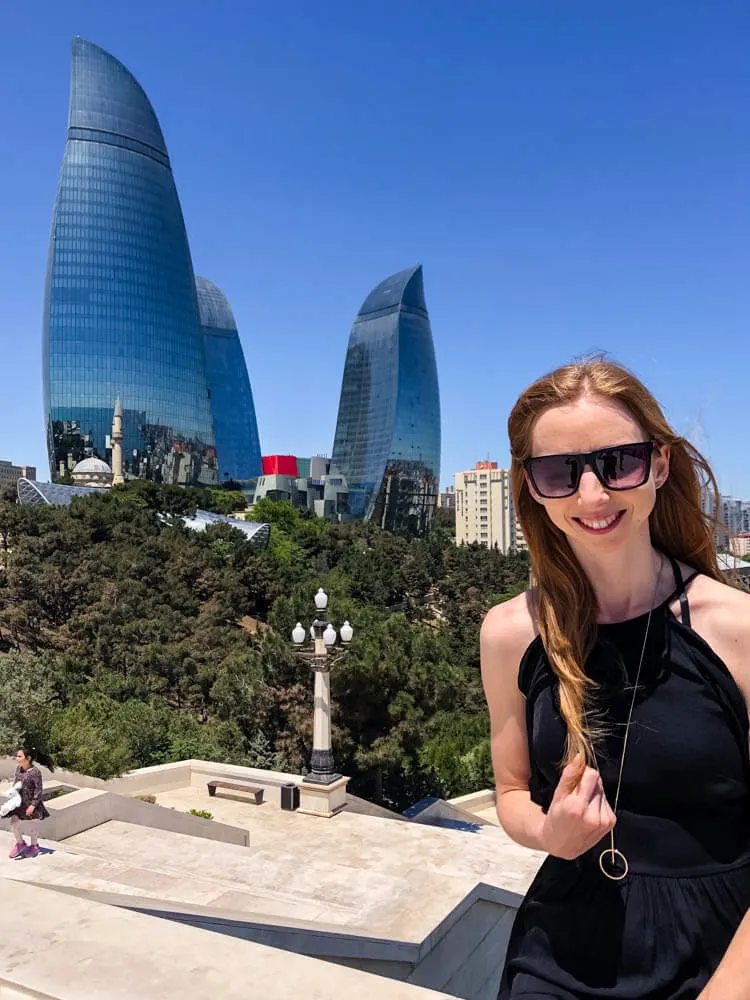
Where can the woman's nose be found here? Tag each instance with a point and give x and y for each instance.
(589, 488)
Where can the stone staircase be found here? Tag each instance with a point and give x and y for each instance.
(172, 868)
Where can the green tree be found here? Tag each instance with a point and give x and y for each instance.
(137, 640)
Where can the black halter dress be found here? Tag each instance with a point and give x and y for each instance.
(683, 823)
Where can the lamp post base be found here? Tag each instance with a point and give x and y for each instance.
(322, 771)
(316, 778)
(325, 799)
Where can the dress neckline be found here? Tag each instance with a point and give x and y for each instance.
(638, 618)
(679, 592)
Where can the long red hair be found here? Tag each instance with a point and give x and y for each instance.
(564, 600)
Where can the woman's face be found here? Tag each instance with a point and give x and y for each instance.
(22, 759)
(593, 518)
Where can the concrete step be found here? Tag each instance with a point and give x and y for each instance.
(118, 857)
(276, 874)
(57, 867)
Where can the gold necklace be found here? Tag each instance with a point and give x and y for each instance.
(612, 861)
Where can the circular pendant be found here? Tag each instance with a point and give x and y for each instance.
(613, 864)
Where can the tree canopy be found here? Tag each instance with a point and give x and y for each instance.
(127, 640)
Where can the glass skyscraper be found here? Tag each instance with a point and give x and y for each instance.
(121, 312)
(235, 426)
(387, 443)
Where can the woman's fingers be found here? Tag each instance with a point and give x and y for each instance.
(606, 815)
(589, 786)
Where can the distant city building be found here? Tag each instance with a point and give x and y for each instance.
(279, 465)
(387, 442)
(484, 509)
(121, 313)
(10, 473)
(235, 424)
(733, 514)
(447, 498)
(739, 545)
(321, 491)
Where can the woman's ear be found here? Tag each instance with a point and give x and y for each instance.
(530, 487)
(660, 464)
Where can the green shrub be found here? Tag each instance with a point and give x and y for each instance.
(55, 793)
(202, 813)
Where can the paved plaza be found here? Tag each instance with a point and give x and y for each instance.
(394, 900)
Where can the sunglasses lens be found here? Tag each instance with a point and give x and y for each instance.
(556, 475)
(624, 467)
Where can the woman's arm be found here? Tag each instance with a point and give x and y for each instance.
(579, 814)
(506, 632)
(731, 981)
(723, 619)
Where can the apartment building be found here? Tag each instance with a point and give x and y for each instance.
(733, 513)
(484, 509)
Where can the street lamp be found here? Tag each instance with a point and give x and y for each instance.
(323, 655)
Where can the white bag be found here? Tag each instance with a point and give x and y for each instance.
(11, 800)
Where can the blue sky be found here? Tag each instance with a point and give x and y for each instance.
(572, 175)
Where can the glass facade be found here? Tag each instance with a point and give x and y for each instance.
(235, 426)
(121, 312)
(387, 443)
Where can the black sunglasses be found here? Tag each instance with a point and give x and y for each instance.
(622, 467)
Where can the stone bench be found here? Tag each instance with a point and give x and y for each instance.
(256, 794)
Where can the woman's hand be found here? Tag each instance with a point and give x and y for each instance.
(29, 811)
(579, 815)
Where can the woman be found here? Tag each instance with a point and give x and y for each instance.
(32, 807)
(618, 690)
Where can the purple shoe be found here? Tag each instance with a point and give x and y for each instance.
(32, 851)
(18, 850)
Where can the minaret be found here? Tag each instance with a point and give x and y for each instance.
(116, 439)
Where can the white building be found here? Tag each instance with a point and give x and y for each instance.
(733, 514)
(484, 509)
(739, 545)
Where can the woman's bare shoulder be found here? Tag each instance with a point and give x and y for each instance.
(509, 628)
(729, 605)
(720, 614)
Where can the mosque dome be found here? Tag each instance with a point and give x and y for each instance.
(92, 472)
(91, 465)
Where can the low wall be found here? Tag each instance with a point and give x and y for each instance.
(466, 963)
(160, 778)
(475, 800)
(439, 812)
(168, 777)
(87, 807)
(468, 960)
(462, 957)
(271, 781)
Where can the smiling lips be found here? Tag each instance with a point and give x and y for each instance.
(601, 525)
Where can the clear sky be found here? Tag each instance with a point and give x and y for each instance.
(572, 174)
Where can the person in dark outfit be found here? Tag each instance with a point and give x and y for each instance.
(32, 807)
(618, 688)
